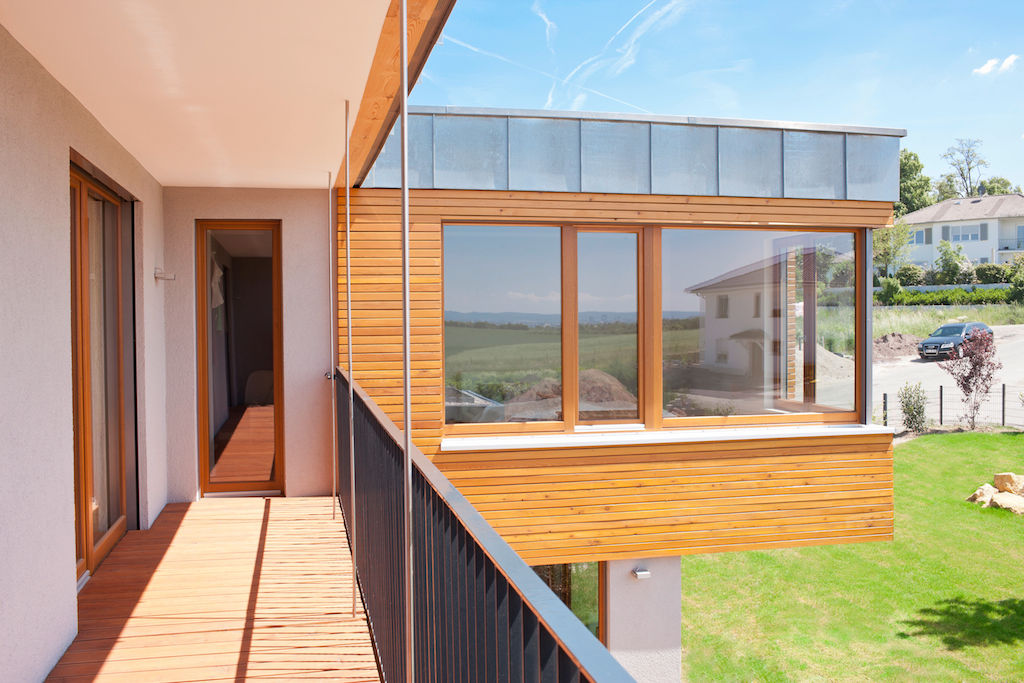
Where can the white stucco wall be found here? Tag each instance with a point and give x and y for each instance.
(307, 294)
(39, 122)
(644, 618)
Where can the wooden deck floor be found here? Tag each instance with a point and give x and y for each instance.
(224, 589)
(247, 452)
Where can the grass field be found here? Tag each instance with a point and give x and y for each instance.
(480, 355)
(942, 602)
(922, 320)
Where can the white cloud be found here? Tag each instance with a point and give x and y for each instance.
(550, 27)
(996, 66)
(987, 67)
(534, 297)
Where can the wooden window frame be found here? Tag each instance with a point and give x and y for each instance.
(650, 342)
(203, 228)
(94, 550)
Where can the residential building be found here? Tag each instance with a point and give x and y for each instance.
(178, 292)
(990, 228)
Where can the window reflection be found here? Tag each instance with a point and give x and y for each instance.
(757, 322)
(608, 306)
(503, 337)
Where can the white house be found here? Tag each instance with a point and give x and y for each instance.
(989, 228)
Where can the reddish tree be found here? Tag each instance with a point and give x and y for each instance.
(974, 370)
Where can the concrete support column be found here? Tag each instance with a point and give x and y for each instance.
(644, 617)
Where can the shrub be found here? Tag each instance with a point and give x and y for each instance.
(950, 297)
(974, 372)
(912, 401)
(842, 274)
(910, 275)
(1015, 294)
(953, 266)
(891, 290)
(990, 273)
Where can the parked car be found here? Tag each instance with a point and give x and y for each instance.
(945, 342)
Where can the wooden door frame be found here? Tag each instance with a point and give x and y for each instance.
(95, 549)
(203, 228)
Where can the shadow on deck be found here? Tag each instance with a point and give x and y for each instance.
(225, 589)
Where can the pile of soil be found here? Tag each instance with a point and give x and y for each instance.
(597, 386)
(895, 345)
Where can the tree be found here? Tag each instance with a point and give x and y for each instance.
(967, 162)
(997, 185)
(914, 184)
(889, 247)
(945, 188)
(953, 266)
(974, 370)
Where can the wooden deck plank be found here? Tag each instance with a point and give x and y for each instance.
(224, 589)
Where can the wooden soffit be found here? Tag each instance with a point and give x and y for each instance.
(379, 107)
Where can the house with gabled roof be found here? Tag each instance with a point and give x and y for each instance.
(990, 228)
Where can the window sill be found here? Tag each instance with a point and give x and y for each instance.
(664, 436)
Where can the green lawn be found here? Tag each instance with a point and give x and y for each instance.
(944, 601)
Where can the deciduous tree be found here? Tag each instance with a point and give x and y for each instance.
(966, 160)
(974, 371)
(915, 186)
(997, 185)
(945, 188)
(889, 247)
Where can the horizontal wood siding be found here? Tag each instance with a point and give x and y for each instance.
(842, 501)
(583, 504)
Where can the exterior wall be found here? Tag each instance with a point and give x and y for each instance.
(999, 229)
(39, 122)
(614, 502)
(740, 318)
(306, 268)
(376, 267)
(579, 504)
(644, 618)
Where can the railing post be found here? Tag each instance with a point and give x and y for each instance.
(353, 540)
(1004, 405)
(940, 405)
(885, 409)
(406, 350)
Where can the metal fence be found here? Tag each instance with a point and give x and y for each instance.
(480, 612)
(1003, 405)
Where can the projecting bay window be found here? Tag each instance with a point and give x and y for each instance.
(565, 328)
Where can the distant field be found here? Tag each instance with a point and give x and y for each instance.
(488, 354)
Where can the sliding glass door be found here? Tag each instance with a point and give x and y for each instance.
(100, 352)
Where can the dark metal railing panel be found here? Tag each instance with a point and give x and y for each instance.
(481, 613)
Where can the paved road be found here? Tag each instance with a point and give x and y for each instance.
(889, 376)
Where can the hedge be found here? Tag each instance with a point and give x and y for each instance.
(949, 297)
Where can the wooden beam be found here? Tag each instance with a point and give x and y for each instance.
(378, 109)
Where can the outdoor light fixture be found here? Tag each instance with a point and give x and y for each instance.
(639, 573)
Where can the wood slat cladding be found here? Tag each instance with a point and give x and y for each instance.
(620, 502)
(576, 504)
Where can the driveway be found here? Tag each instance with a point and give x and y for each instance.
(889, 376)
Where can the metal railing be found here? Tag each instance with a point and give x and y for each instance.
(1013, 243)
(480, 612)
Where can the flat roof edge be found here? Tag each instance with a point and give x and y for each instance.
(659, 118)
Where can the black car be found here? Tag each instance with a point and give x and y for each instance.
(945, 342)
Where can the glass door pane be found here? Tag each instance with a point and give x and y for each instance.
(104, 395)
(608, 307)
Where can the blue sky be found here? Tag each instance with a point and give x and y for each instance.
(942, 70)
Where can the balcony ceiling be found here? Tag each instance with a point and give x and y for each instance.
(219, 93)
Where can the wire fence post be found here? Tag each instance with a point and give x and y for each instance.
(940, 405)
(885, 410)
(1004, 405)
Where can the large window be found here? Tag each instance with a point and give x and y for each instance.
(798, 357)
(502, 323)
(565, 326)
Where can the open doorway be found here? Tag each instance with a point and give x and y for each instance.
(241, 393)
